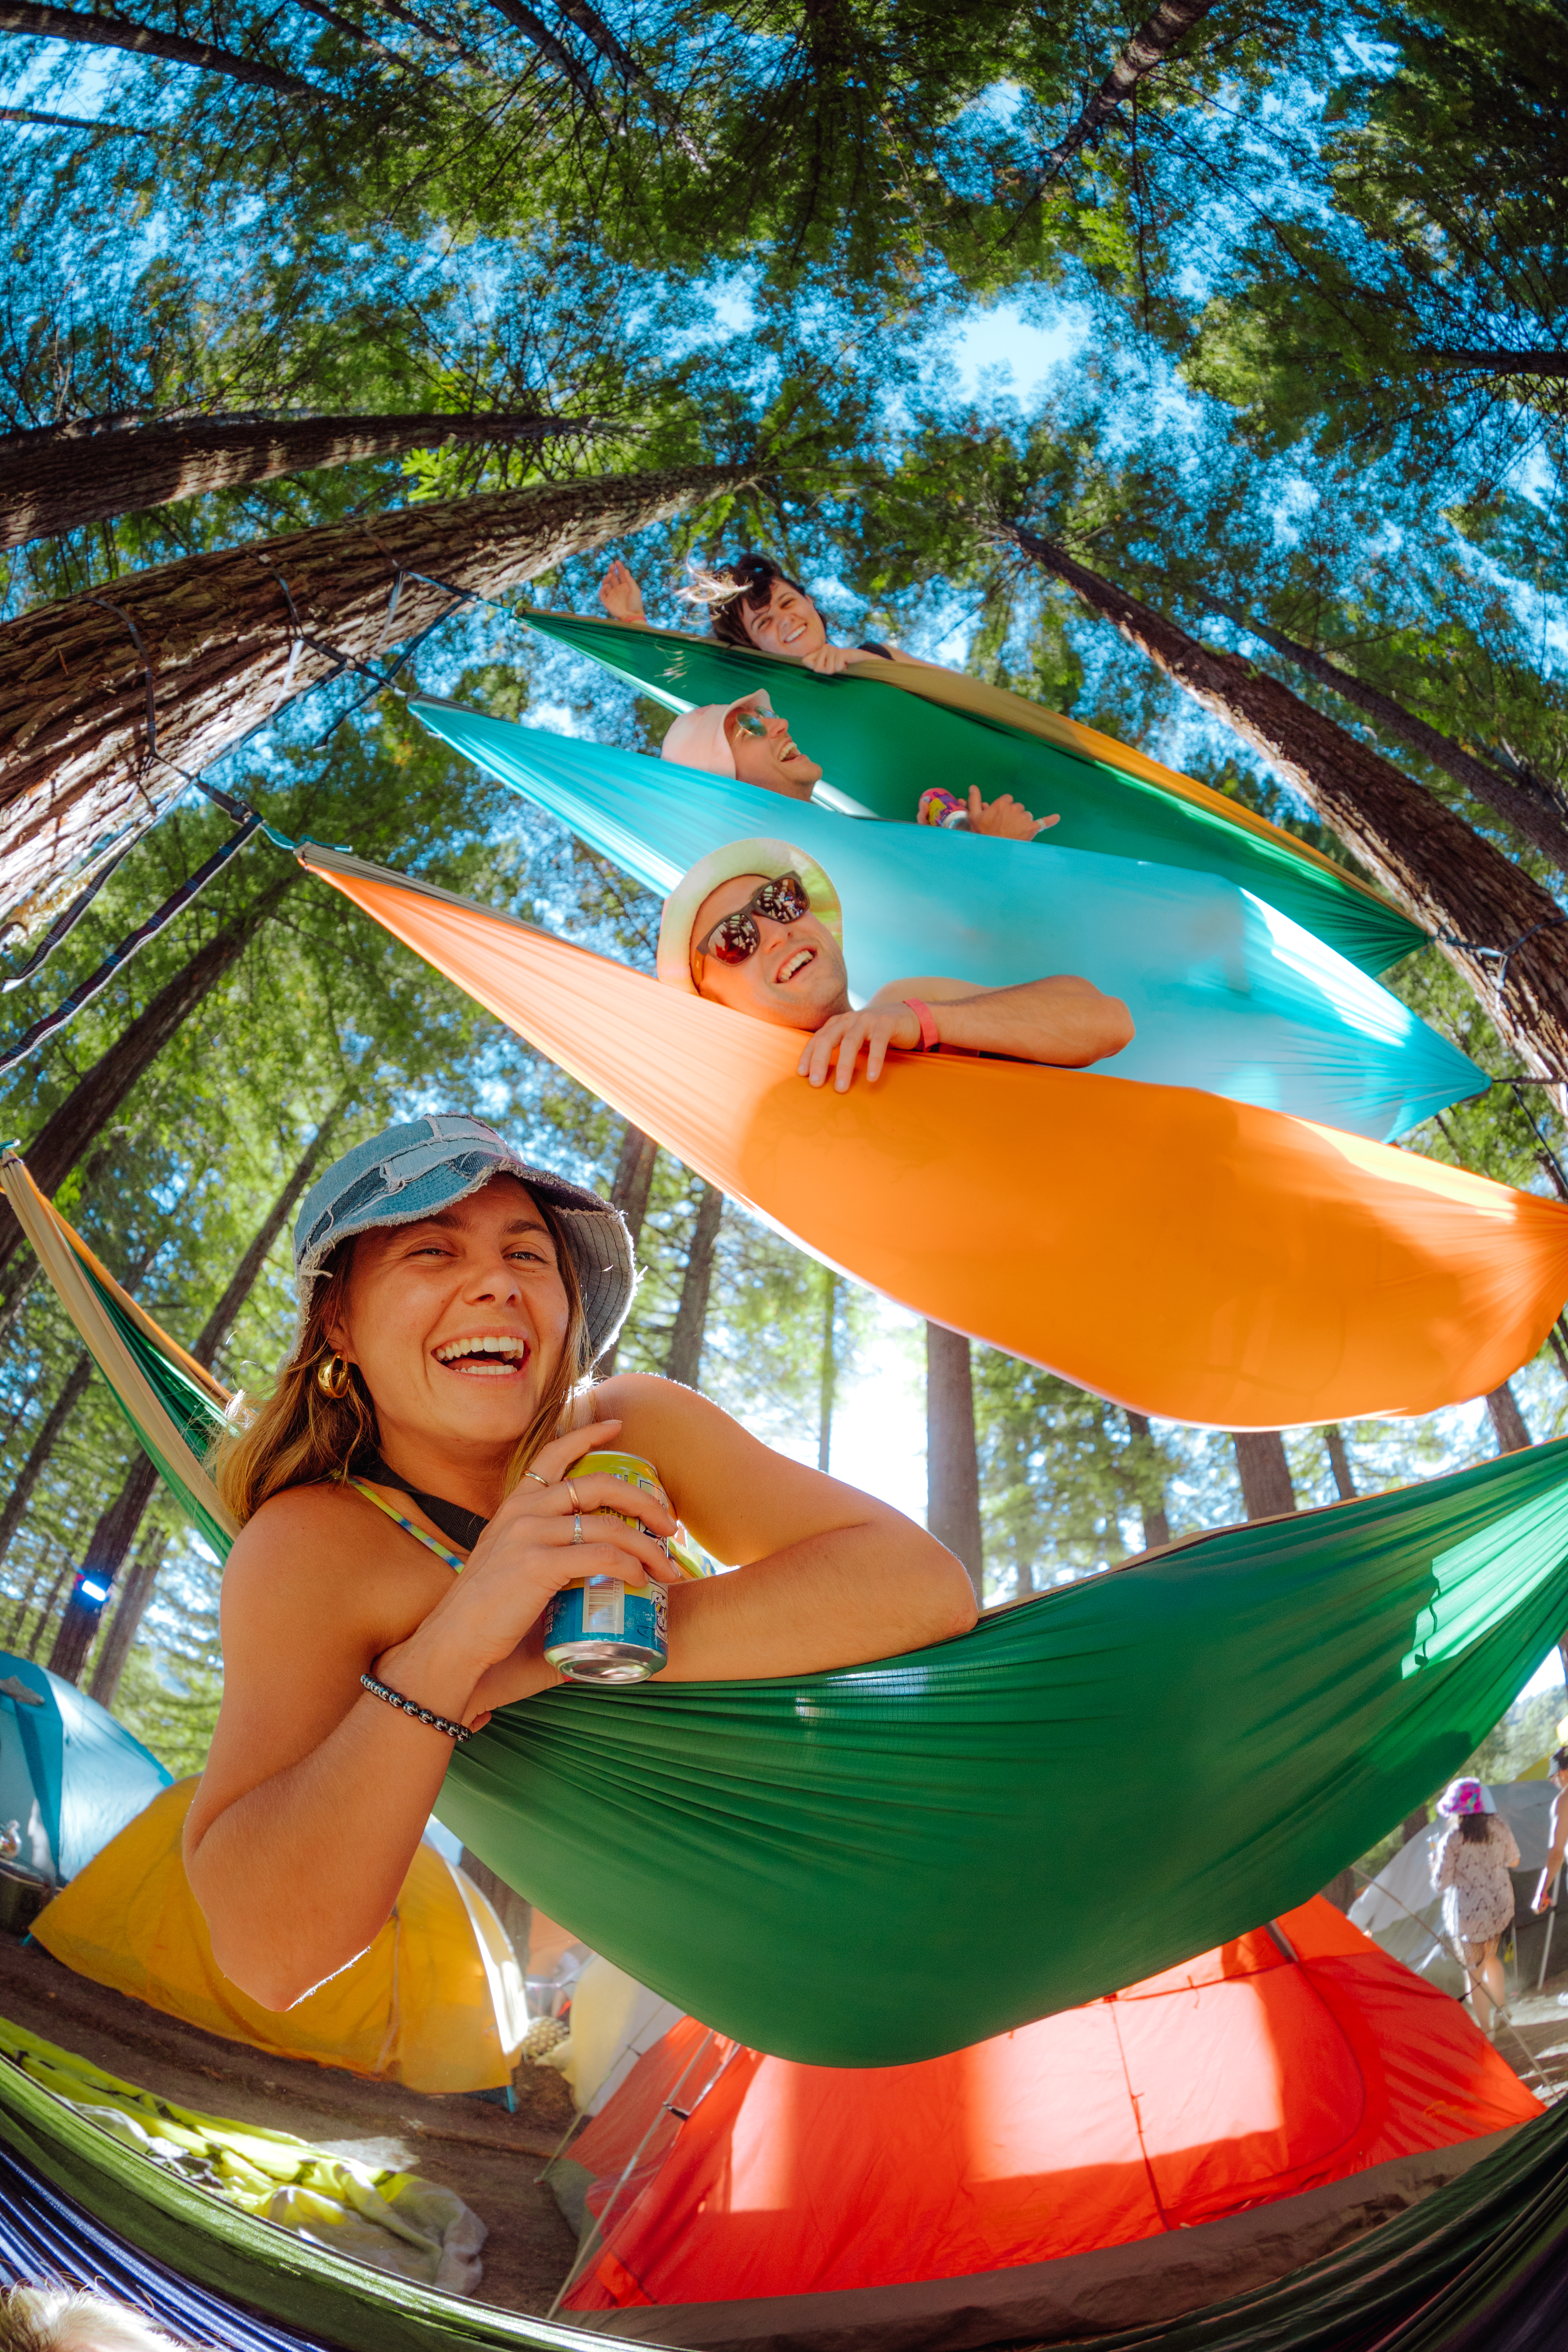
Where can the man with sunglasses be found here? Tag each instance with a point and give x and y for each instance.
(757, 926)
(749, 739)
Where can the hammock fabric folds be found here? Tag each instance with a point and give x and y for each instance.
(1482, 2263)
(885, 730)
(1200, 1260)
(977, 1807)
(1227, 994)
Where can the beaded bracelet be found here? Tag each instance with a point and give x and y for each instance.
(457, 1731)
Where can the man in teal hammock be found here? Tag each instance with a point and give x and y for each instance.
(757, 926)
(749, 740)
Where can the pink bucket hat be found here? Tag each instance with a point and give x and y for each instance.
(697, 739)
(1463, 1796)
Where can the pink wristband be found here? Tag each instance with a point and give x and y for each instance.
(930, 1041)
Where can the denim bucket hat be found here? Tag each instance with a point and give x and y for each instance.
(427, 1164)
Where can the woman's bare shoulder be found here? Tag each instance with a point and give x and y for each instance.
(297, 1535)
(647, 1397)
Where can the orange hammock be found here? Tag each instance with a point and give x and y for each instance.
(1183, 1255)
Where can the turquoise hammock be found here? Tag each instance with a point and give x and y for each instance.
(1229, 995)
(1300, 1684)
(885, 731)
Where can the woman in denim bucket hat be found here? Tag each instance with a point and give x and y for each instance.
(453, 1301)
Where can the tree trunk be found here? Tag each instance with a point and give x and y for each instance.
(952, 1463)
(1148, 48)
(1266, 1487)
(231, 638)
(111, 1540)
(1340, 1462)
(115, 1530)
(629, 1193)
(59, 478)
(108, 32)
(72, 1393)
(1490, 360)
(1508, 1424)
(1156, 1524)
(684, 1363)
(827, 1372)
(1413, 1824)
(1505, 936)
(126, 1622)
(93, 1101)
(1532, 814)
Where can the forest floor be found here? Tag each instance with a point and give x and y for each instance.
(491, 2158)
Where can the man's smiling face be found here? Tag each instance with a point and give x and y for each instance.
(772, 761)
(796, 979)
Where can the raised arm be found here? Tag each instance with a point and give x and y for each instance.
(1065, 1021)
(621, 597)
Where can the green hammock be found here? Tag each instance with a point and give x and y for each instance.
(884, 733)
(964, 1839)
(1480, 2262)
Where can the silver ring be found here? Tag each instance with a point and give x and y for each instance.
(577, 1527)
(535, 1474)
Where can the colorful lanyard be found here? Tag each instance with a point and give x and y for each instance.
(453, 1559)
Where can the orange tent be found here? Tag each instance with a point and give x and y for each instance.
(1183, 1255)
(1036, 2180)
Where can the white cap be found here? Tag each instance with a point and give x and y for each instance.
(768, 858)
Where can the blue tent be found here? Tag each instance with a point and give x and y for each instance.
(70, 1777)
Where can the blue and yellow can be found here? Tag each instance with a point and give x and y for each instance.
(610, 1629)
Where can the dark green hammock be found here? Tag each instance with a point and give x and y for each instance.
(883, 747)
(887, 1861)
(1479, 2266)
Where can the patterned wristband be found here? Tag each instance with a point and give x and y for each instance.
(930, 1041)
(457, 1731)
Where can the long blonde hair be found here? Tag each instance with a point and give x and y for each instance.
(300, 1435)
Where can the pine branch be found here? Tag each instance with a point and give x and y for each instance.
(96, 32)
(1149, 47)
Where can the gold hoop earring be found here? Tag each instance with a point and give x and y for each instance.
(333, 1378)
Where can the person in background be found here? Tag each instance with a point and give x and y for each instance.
(1548, 1879)
(757, 926)
(1471, 1867)
(749, 739)
(754, 602)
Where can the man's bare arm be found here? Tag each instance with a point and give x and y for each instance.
(1065, 1020)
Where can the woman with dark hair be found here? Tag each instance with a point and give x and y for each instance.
(1470, 1866)
(752, 602)
(454, 1301)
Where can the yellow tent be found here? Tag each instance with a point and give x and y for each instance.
(437, 2002)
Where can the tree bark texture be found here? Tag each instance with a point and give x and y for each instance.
(55, 479)
(1340, 1462)
(1506, 936)
(111, 1540)
(684, 1361)
(231, 638)
(126, 1622)
(1508, 1424)
(629, 1193)
(1149, 46)
(93, 1101)
(1531, 813)
(1157, 1522)
(1266, 1488)
(108, 32)
(953, 1463)
(72, 1390)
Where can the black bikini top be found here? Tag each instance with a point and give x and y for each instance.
(460, 1527)
(883, 652)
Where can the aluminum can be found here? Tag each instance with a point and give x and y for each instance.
(610, 1629)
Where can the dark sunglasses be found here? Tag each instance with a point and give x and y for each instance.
(736, 938)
